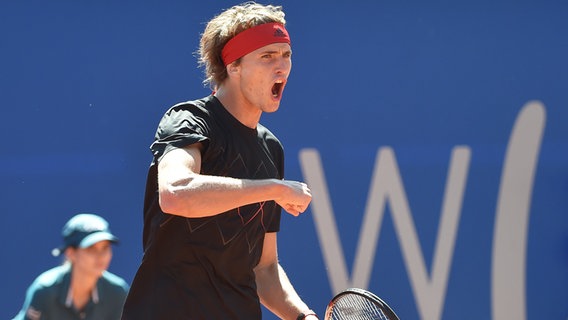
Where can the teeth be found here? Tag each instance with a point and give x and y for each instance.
(277, 87)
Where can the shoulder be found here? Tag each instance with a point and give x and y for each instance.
(188, 115)
(194, 107)
(47, 286)
(265, 132)
(51, 278)
(269, 137)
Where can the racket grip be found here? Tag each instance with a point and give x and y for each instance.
(303, 315)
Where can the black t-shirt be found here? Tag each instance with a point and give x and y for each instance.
(202, 268)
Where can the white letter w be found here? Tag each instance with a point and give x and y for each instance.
(386, 185)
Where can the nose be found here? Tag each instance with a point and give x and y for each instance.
(102, 253)
(284, 65)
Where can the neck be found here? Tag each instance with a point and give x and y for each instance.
(81, 289)
(239, 107)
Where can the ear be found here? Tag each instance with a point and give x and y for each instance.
(70, 254)
(232, 68)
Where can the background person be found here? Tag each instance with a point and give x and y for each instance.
(216, 186)
(81, 288)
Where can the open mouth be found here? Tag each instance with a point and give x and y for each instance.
(277, 89)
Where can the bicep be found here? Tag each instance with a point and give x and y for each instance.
(176, 170)
(178, 164)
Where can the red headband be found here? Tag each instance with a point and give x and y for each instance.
(253, 38)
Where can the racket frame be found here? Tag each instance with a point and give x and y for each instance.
(389, 312)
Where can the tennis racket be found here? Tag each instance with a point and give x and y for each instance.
(359, 304)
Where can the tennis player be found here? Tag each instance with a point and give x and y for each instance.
(216, 185)
(81, 288)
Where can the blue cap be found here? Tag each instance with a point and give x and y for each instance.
(84, 230)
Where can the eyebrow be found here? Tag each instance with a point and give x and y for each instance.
(274, 52)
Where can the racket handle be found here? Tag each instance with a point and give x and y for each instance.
(303, 315)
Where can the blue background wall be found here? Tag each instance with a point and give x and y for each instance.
(83, 85)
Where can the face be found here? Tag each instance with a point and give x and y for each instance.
(263, 74)
(93, 260)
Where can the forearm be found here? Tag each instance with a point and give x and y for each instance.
(277, 294)
(185, 192)
(204, 195)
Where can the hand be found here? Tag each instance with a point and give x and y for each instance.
(295, 198)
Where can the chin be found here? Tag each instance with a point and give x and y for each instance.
(100, 271)
(273, 107)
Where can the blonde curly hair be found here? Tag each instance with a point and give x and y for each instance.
(225, 26)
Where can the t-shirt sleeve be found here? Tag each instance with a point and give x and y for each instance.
(274, 224)
(181, 126)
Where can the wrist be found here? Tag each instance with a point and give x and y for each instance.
(307, 315)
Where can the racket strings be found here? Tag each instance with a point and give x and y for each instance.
(356, 307)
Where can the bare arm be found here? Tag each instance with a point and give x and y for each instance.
(184, 191)
(274, 289)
